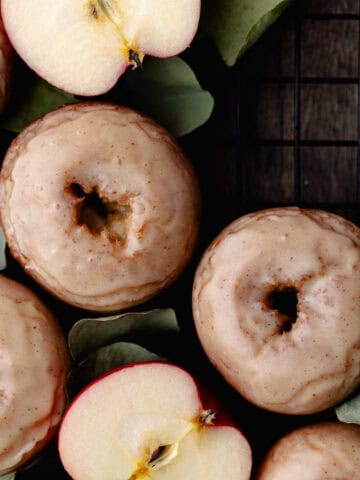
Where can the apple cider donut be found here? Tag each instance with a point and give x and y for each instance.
(34, 362)
(321, 451)
(99, 205)
(276, 303)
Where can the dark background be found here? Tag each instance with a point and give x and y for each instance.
(285, 131)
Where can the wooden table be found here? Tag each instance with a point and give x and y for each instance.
(289, 124)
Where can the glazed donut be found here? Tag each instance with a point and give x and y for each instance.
(99, 205)
(322, 451)
(34, 362)
(5, 66)
(276, 303)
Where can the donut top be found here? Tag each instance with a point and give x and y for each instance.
(277, 308)
(324, 451)
(33, 366)
(100, 205)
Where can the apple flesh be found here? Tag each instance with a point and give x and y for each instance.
(84, 46)
(146, 421)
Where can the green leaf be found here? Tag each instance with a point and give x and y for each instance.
(168, 91)
(104, 360)
(235, 25)
(349, 411)
(89, 334)
(2, 253)
(35, 100)
(8, 476)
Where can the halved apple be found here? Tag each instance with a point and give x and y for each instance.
(84, 46)
(146, 421)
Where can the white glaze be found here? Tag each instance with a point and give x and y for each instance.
(325, 451)
(33, 365)
(316, 363)
(130, 161)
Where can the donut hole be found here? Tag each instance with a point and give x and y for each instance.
(284, 300)
(98, 214)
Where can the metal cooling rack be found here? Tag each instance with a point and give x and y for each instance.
(249, 87)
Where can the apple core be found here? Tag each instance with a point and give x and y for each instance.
(160, 456)
(110, 10)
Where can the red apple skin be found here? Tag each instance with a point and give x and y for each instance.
(6, 66)
(208, 400)
(211, 402)
(222, 418)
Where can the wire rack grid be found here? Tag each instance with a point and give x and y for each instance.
(295, 146)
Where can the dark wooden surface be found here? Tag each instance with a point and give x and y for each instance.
(259, 150)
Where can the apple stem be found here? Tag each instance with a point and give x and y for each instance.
(135, 59)
(207, 417)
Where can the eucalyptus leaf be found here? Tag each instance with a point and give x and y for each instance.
(349, 411)
(8, 476)
(2, 253)
(106, 359)
(89, 334)
(168, 91)
(35, 100)
(235, 25)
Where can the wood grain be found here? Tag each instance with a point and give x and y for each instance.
(328, 101)
(333, 6)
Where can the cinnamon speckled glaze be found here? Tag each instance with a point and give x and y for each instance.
(34, 362)
(100, 205)
(326, 451)
(294, 363)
